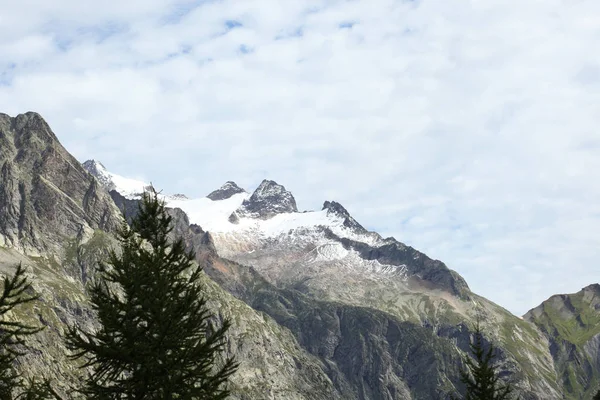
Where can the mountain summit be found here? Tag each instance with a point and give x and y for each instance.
(335, 208)
(228, 189)
(269, 199)
(98, 170)
(571, 323)
(39, 183)
(125, 186)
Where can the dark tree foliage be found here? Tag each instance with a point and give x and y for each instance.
(156, 339)
(480, 378)
(597, 396)
(12, 336)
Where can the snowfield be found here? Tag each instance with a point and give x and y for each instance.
(282, 232)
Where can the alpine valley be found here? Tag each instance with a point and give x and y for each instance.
(321, 308)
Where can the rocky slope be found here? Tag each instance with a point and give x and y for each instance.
(46, 196)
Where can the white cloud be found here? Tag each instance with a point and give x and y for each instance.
(467, 130)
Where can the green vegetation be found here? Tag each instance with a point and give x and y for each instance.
(577, 327)
(12, 335)
(481, 379)
(157, 339)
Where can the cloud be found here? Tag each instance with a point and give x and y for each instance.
(467, 130)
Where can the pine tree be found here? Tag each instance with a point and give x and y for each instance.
(12, 335)
(597, 396)
(481, 378)
(156, 339)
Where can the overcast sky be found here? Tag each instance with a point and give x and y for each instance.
(469, 130)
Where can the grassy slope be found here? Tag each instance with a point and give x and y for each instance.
(572, 321)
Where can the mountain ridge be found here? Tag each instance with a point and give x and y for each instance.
(282, 276)
(271, 200)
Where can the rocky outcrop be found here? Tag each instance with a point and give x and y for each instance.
(128, 207)
(367, 354)
(335, 208)
(97, 169)
(268, 199)
(228, 189)
(46, 197)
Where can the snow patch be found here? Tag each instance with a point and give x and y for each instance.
(129, 188)
(212, 216)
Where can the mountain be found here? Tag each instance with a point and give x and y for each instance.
(571, 322)
(130, 188)
(228, 189)
(321, 307)
(351, 297)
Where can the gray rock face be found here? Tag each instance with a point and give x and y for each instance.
(228, 189)
(96, 168)
(268, 199)
(417, 264)
(128, 207)
(337, 209)
(46, 196)
(367, 354)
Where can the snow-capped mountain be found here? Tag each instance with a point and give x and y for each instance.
(329, 256)
(270, 210)
(127, 187)
(130, 188)
(266, 230)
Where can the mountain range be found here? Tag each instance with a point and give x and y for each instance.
(321, 307)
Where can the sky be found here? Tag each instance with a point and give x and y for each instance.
(469, 130)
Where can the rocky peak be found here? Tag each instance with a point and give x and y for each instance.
(228, 189)
(594, 287)
(94, 167)
(46, 197)
(28, 135)
(335, 208)
(98, 170)
(268, 199)
(31, 125)
(591, 295)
